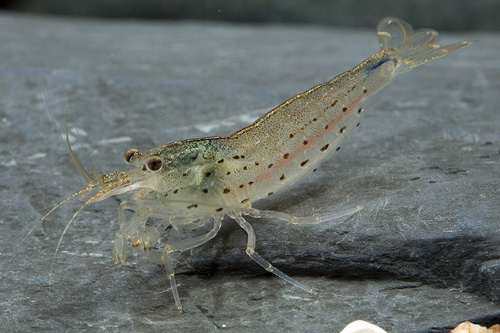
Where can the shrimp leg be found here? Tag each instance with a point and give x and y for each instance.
(269, 214)
(261, 261)
(182, 246)
(126, 229)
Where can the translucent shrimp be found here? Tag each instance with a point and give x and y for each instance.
(193, 184)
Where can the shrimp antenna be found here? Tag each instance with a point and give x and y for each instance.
(77, 163)
(85, 175)
(61, 203)
(54, 208)
(65, 229)
(70, 222)
(94, 171)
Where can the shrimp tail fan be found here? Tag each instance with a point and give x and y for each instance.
(412, 48)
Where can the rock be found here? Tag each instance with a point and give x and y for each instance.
(489, 273)
(421, 257)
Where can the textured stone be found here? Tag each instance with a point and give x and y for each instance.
(489, 273)
(421, 257)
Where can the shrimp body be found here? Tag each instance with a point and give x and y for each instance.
(195, 183)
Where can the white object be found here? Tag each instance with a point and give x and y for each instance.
(360, 326)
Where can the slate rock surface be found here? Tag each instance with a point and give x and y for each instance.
(421, 257)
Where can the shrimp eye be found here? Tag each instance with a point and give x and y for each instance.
(154, 163)
(129, 153)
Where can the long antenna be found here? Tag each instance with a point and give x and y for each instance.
(86, 176)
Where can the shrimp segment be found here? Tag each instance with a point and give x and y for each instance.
(183, 246)
(181, 187)
(261, 261)
(269, 214)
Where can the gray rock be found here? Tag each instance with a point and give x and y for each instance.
(421, 257)
(489, 272)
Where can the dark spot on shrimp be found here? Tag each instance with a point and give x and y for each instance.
(333, 104)
(220, 161)
(270, 166)
(360, 110)
(250, 183)
(228, 173)
(244, 200)
(291, 135)
(314, 170)
(305, 142)
(325, 147)
(205, 190)
(208, 174)
(315, 119)
(377, 65)
(357, 125)
(236, 157)
(176, 190)
(256, 163)
(192, 206)
(269, 194)
(286, 156)
(304, 163)
(344, 109)
(326, 126)
(242, 156)
(144, 168)
(338, 148)
(245, 167)
(241, 185)
(282, 177)
(226, 190)
(219, 209)
(365, 91)
(342, 130)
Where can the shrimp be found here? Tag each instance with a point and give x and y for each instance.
(192, 184)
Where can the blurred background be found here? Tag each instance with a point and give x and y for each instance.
(451, 15)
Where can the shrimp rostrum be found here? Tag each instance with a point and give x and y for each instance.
(193, 184)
